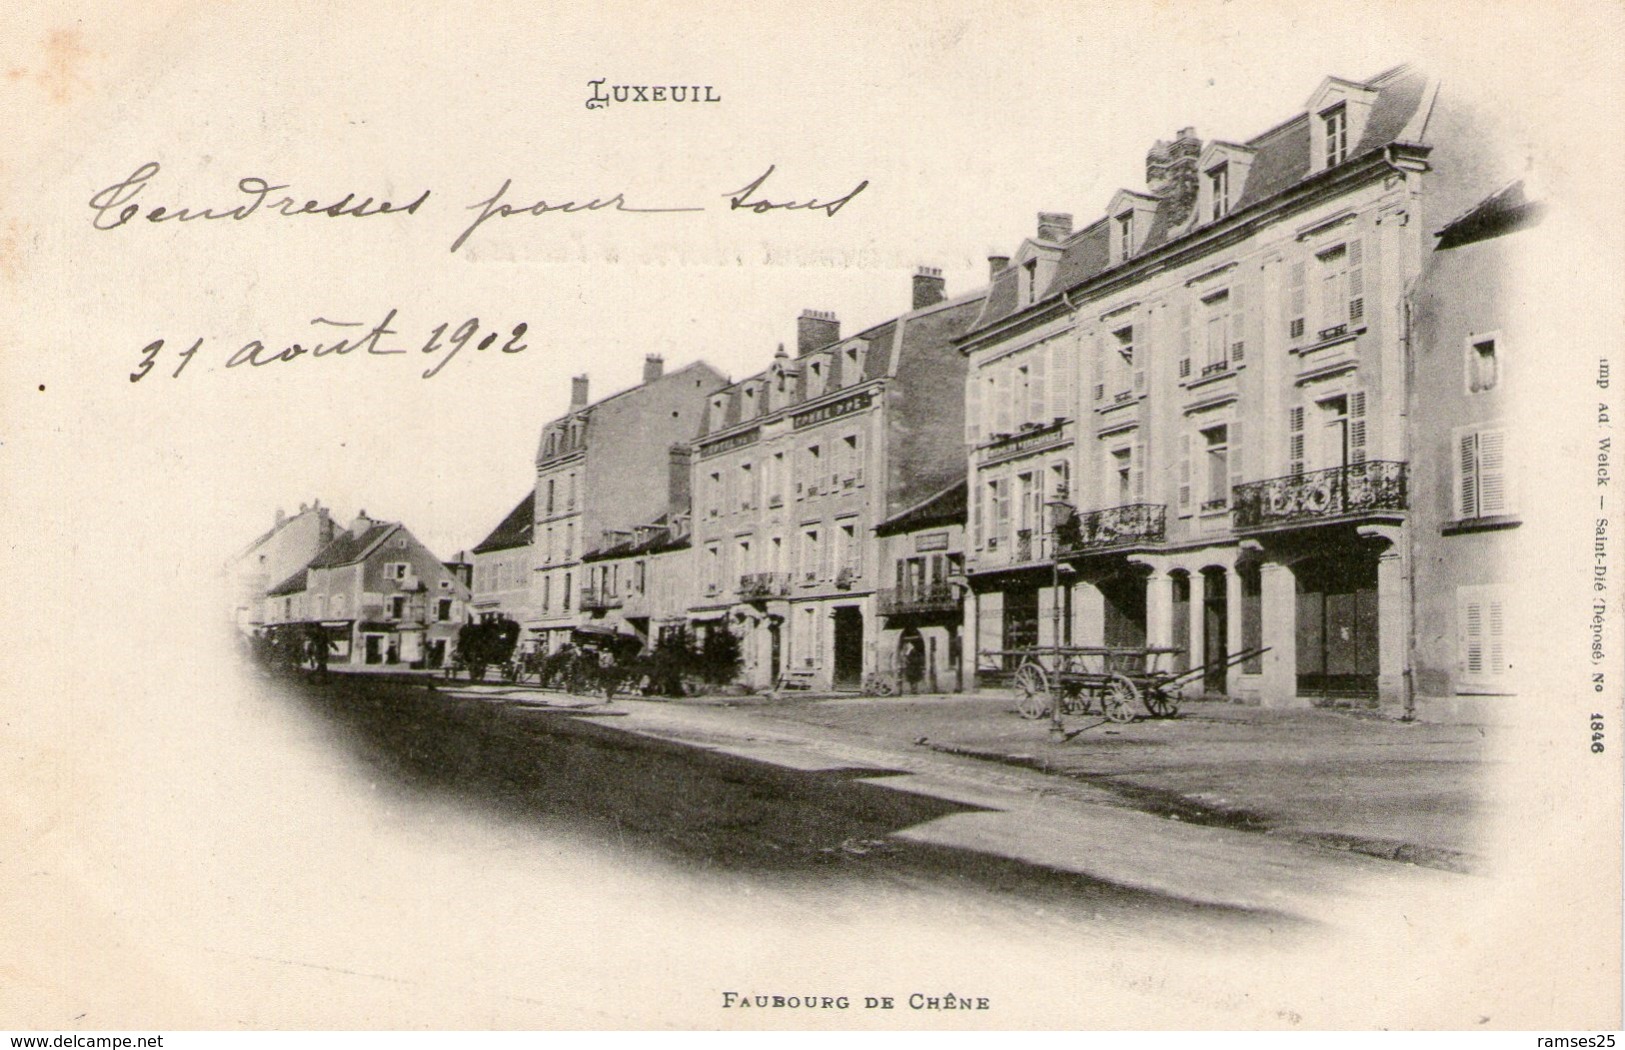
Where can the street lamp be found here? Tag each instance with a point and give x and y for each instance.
(1060, 509)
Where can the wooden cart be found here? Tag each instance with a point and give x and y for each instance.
(1107, 680)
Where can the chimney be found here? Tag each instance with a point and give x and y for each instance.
(1054, 226)
(1170, 173)
(929, 287)
(679, 458)
(654, 366)
(996, 264)
(282, 516)
(578, 391)
(816, 328)
(360, 525)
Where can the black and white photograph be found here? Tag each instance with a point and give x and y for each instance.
(736, 517)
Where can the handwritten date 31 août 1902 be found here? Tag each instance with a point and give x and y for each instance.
(340, 338)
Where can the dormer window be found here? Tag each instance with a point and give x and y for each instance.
(750, 402)
(1218, 188)
(1125, 236)
(1029, 281)
(1334, 125)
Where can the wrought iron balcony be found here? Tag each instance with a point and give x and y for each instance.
(1024, 545)
(923, 598)
(1130, 524)
(754, 586)
(1373, 488)
(597, 599)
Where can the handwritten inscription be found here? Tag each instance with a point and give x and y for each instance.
(340, 338)
(116, 206)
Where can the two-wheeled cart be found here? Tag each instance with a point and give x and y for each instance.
(1107, 680)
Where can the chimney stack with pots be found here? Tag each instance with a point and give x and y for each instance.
(654, 366)
(816, 328)
(929, 287)
(1054, 226)
(578, 391)
(360, 525)
(1170, 173)
(997, 264)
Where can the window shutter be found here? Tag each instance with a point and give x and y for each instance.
(1062, 364)
(1295, 300)
(1234, 436)
(1184, 473)
(1357, 427)
(1295, 441)
(857, 457)
(1467, 477)
(1472, 637)
(1142, 351)
(1185, 312)
(1356, 263)
(1037, 394)
(973, 409)
(1492, 479)
(1495, 635)
(1238, 321)
(1002, 408)
(1137, 466)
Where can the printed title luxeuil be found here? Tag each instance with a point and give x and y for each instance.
(601, 96)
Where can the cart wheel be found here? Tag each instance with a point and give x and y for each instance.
(1119, 699)
(1032, 692)
(1161, 704)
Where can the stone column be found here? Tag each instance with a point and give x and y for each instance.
(970, 644)
(1393, 616)
(1159, 605)
(1088, 614)
(1198, 623)
(1232, 623)
(1279, 612)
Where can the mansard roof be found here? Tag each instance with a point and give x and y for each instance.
(1281, 160)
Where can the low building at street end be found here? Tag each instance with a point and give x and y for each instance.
(503, 564)
(382, 597)
(603, 469)
(795, 466)
(1470, 353)
(921, 641)
(287, 546)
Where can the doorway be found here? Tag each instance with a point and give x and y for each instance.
(848, 647)
(1124, 624)
(1337, 627)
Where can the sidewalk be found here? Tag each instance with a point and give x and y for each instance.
(1402, 791)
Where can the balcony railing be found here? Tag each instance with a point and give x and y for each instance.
(1356, 490)
(754, 586)
(1024, 545)
(929, 597)
(597, 599)
(1133, 523)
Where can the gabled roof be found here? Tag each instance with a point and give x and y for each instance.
(1281, 160)
(1505, 211)
(294, 584)
(515, 530)
(946, 507)
(348, 548)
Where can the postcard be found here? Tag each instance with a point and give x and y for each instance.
(872, 516)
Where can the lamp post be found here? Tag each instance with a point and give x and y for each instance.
(1059, 509)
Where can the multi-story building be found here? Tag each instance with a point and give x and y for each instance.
(642, 586)
(1466, 344)
(603, 469)
(262, 565)
(383, 598)
(1190, 412)
(795, 466)
(919, 604)
(502, 566)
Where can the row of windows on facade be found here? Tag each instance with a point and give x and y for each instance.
(398, 607)
(1211, 342)
(822, 552)
(1012, 514)
(1218, 192)
(817, 468)
(559, 494)
(776, 390)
